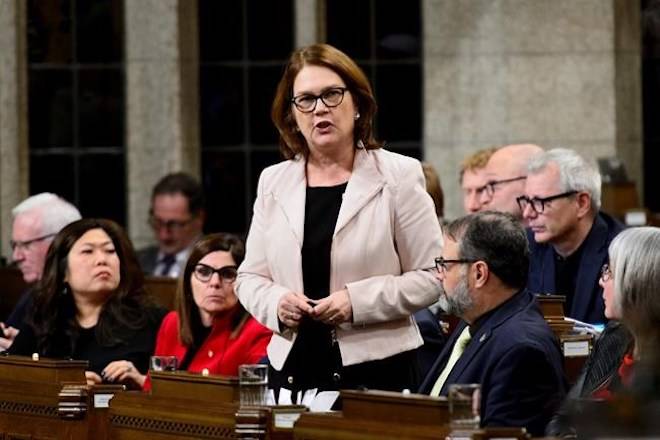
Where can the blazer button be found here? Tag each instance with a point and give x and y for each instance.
(210, 353)
(336, 377)
(289, 379)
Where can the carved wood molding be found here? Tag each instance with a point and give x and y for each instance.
(171, 427)
(28, 409)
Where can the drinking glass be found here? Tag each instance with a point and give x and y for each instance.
(163, 363)
(253, 382)
(464, 403)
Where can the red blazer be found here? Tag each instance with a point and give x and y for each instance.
(220, 353)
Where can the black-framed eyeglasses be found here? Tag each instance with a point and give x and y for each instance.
(605, 272)
(538, 203)
(489, 187)
(441, 263)
(204, 273)
(331, 97)
(25, 244)
(171, 225)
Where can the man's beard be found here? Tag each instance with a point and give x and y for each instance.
(460, 300)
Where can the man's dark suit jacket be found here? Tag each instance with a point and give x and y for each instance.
(588, 305)
(516, 359)
(434, 340)
(148, 258)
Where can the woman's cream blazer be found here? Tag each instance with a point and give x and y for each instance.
(386, 235)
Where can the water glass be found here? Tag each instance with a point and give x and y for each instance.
(253, 382)
(163, 363)
(464, 404)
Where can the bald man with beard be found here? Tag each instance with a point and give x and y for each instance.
(506, 173)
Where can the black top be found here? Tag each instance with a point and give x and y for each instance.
(199, 334)
(17, 317)
(566, 273)
(136, 349)
(314, 357)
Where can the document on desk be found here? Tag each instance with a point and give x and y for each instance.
(314, 400)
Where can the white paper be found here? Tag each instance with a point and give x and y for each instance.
(102, 400)
(576, 348)
(286, 420)
(285, 397)
(308, 397)
(323, 401)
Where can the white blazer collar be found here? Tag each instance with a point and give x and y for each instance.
(366, 181)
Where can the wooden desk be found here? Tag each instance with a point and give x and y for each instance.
(30, 403)
(575, 347)
(181, 405)
(378, 415)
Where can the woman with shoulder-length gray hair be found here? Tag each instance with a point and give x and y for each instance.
(635, 266)
(627, 349)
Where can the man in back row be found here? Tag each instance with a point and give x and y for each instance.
(472, 178)
(177, 219)
(506, 172)
(568, 235)
(37, 220)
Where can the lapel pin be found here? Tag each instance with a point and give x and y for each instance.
(482, 338)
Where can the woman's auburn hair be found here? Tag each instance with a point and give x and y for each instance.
(186, 307)
(54, 309)
(292, 142)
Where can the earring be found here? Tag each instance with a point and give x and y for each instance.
(357, 116)
(65, 290)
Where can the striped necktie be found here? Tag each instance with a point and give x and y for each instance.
(459, 347)
(166, 264)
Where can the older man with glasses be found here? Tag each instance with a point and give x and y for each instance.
(36, 221)
(177, 218)
(506, 172)
(568, 235)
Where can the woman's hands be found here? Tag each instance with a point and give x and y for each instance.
(292, 307)
(332, 310)
(120, 372)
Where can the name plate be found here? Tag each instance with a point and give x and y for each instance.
(285, 420)
(576, 348)
(102, 400)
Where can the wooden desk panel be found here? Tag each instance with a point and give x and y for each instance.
(181, 405)
(29, 401)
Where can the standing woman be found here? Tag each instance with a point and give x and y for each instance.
(91, 305)
(340, 237)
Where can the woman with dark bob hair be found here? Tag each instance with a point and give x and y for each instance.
(91, 305)
(340, 237)
(210, 329)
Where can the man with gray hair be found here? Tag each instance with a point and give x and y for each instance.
(37, 220)
(568, 235)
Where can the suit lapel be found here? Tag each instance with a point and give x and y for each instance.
(483, 336)
(365, 182)
(593, 256)
(548, 271)
(290, 195)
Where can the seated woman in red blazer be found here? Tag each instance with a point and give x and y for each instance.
(210, 329)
